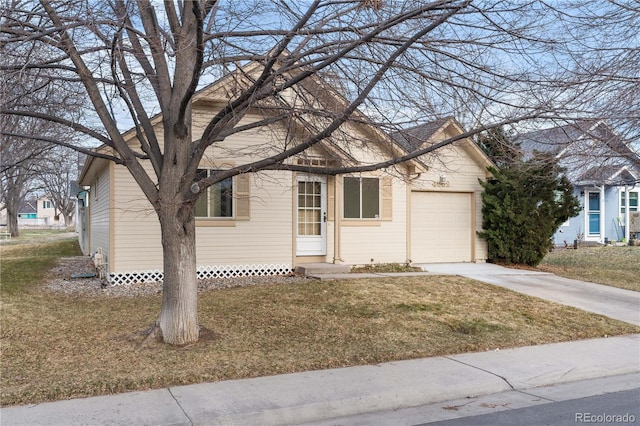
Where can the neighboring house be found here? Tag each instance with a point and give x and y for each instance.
(427, 210)
(38, 212)
(28, 212)
(605, 173)
(47, 212)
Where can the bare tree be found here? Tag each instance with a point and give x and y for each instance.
(57, 172)
(18, 173)
(29, 142)
(148, 58)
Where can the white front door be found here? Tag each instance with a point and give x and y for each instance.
(311, 237)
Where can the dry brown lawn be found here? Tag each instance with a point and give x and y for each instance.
(613, 266)
(56, 346)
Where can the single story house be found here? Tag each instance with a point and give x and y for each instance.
(605, 173)
(423, 210)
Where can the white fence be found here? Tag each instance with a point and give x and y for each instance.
(40, 223)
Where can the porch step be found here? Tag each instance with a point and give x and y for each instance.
(322, 268)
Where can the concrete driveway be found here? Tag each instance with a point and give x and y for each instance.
(613, 302)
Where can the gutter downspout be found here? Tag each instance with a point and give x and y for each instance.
(627, 216)
(602, 214)
(337, 219)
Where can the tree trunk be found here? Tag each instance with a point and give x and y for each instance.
(178, 319)
(68, 218)
(12, 220)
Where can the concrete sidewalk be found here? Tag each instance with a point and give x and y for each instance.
(319, 396)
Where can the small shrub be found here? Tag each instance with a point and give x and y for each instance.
(384, 268)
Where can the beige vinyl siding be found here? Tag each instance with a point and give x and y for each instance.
(99, 209)
(261, 232)
(459, 168)
(138, 246)
(383, 241)
(265, 238)
(239, 148)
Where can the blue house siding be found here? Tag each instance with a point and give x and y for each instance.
(577, 227)
(573, 228)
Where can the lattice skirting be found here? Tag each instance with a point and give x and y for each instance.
(204, 272)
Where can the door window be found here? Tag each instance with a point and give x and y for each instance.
(309, 208)
(594, 213)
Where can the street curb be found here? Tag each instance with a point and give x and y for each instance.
(321, 395)
(315, 396)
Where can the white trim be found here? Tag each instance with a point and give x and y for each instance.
(588, 236)
(312, 245)
(625, 168)
(627, 209)
(603, 210)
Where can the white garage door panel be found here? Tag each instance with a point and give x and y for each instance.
(441, 227)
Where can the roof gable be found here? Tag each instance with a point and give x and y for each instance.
(28, 206)
(321, 96)
(433, 132)
(415, 137)
(590, 151)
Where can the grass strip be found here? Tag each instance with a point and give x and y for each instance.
(23, 266)
(608, 265)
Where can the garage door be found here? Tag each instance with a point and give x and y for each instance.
(441, 227)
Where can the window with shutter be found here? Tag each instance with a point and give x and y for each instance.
(242, 184)
(227, 199)
(217, 200)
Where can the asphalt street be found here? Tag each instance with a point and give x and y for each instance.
(608, 409)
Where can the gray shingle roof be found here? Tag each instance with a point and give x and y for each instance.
(28, 206)
(555, 139)
(590, 151)
(412, 138)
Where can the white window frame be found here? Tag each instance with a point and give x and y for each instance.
(622, 209)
